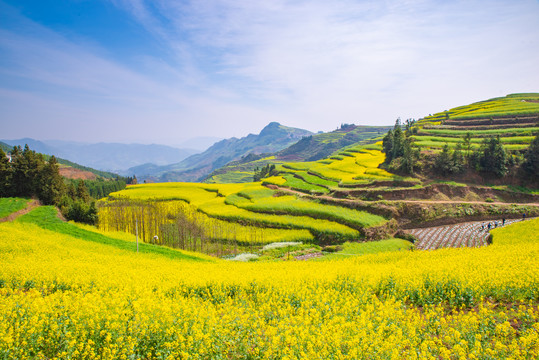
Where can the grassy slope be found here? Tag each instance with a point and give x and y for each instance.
(436, 130)
(510, 105)
(11, 205)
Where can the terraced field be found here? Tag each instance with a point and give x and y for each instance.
(244, 214)
(470, 234)
(514, 118)
(353, 166)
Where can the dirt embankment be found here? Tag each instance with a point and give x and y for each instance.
(427, 212)
(440, 192)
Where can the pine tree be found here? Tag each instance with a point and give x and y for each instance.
(493, 157)
(457, 160)
(442, 163)
(5, 175)
(51, 188)
(82, 192)
(26, 168)
(387, 146)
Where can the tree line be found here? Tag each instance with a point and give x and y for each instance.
(490, 159)
(28, 174)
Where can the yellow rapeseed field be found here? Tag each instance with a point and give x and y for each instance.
(63, 297)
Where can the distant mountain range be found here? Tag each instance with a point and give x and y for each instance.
(274, 137)
(309, 148)
(107, 156)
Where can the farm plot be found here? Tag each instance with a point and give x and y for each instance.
(470, 234)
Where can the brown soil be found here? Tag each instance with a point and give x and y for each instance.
(443, 193)
(31, 205)
(72, 173)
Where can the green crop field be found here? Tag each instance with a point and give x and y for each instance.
(510, 106)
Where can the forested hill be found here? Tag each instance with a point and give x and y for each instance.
(272, 138)
(97, 183)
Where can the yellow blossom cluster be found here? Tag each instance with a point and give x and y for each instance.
(64, 297)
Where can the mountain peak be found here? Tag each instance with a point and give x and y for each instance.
(271, 128)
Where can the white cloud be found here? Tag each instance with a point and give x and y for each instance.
(231, 66)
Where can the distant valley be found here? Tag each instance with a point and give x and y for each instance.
(113, 157)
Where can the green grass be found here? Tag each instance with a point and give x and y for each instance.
(371, 247)
(301, 185)
(509, 106)
(46, 218)
(316, 180)
(10, 205)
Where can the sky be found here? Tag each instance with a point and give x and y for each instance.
(163, 71)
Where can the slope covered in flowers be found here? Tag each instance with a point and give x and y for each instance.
(66, 297)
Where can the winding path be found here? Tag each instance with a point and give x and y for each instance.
(31, 206)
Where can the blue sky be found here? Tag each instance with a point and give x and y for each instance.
(163, 71)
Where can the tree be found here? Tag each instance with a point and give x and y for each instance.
(531, 159)
(442, 163)
(468, 144)
(492, 157)
(266, 171)
(51, 185)
(398, 141)
(457, 160)
(82, 192)
(387, 146)
(5, 175)
(26, 166)
(408, 158)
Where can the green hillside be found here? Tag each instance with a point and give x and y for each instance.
(514, 118)
(513, 106)
(310, 148)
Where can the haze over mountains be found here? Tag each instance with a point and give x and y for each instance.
(272, 138)
(107, 156)
(161, 163)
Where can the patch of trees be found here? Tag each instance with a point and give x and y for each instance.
(30, 175)
(101, 188)
(266, 171)
(401, 155)
(490, 159)
(530, 165)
